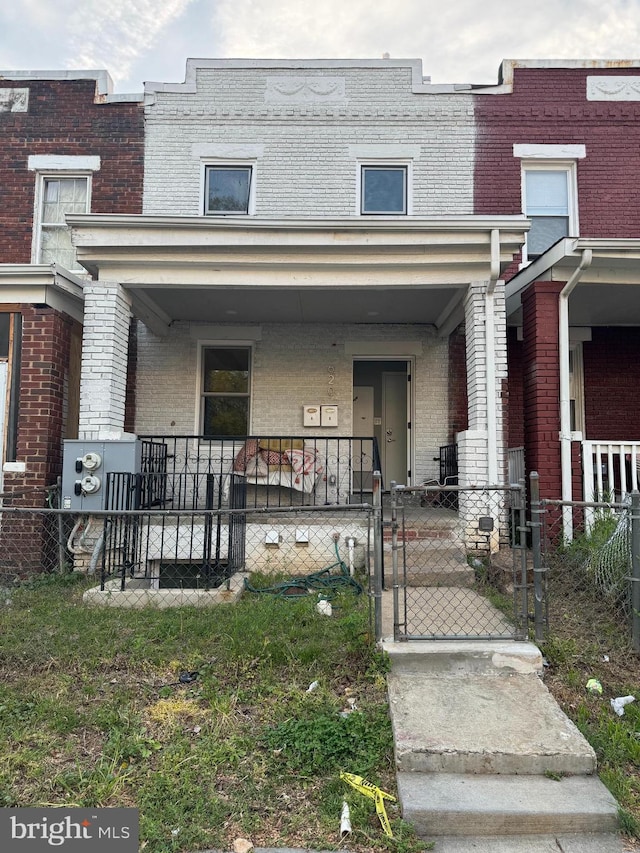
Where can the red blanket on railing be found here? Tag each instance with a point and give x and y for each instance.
(281, 462)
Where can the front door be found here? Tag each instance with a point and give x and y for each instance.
(381, 403)
(394, 428)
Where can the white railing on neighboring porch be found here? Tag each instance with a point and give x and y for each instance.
(610, 469)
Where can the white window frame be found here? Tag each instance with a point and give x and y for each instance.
(200, 393)
(236, 163)
(41, 178)
(544, 165)
(386, 162)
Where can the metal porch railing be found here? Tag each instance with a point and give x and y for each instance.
(194, 472)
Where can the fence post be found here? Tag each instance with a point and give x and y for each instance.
(377, 555)
(635, 569)
(538, 570)
(394, 559)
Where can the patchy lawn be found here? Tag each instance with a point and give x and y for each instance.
(588, 639)
(201, 719)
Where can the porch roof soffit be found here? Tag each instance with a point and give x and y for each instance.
(605, 293)
(42, 284)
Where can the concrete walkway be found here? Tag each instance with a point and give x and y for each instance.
(486, 759)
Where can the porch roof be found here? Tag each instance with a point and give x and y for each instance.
(605, 294)
(348, 270)
(42, 284)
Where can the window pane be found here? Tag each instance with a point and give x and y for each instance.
(226, 370)
(56, 247)
(544, 232)
(228, 189)
(226, 416)
(547, 192)
(384, 189)
(62, 196)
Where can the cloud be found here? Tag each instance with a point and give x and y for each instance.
(458, 40)
(115, 34)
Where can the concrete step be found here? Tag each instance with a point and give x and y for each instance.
(463, 657)
(482, 805)
(558, 843)
(482, 723)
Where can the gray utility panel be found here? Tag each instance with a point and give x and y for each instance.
(86, 465)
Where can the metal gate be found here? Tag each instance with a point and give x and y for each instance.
(459, 562)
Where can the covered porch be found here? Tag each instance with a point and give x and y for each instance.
(575, 345)
(345, 329)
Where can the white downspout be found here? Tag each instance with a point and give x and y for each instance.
(565, 405)
(490, 353)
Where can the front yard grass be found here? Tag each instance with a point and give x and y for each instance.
(200, 718)
(589, 639)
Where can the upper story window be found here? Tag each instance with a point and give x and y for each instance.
(225, 390)
(228, 190)
(549, 202)
(63, 185)
(59, 196)
(384, 189)
(549, 193)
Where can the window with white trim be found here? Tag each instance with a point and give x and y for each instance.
(384, 189)
(228, 189)
(56, 196)
(226, 389)
(549, 201)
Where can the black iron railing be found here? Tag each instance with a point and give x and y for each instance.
(194, 472)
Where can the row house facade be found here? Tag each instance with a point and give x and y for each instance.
(67, 145)
(560, 142)
(339, 249)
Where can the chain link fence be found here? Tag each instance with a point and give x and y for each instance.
(589, 557)
(458, 562)
(169, 558)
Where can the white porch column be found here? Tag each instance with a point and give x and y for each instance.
(105, 345)
(481, 448)
(486, 348)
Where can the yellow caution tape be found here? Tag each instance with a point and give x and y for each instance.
(374, 793)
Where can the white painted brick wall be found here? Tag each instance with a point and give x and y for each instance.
(290, 369)
(307, 167)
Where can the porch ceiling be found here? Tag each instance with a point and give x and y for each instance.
(608, 290)
(350, 270)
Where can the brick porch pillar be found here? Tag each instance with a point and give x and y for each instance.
(105, 343)
(541, 381)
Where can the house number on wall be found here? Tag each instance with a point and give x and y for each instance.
(331, 391)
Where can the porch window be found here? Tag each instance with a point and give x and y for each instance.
(57, 197)
(549, 194)
(383, 189)
(227, 189)
(225, 391)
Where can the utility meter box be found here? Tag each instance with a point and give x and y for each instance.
(86, 466)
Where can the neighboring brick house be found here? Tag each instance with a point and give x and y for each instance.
(66, 145)
(308, 228)
(560, 141)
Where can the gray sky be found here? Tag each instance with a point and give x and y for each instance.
(459, 41)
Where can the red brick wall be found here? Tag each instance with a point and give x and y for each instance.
(549, 106)
(458, 408)
(63, 118)
(612, 379)
(46, 336)
(541, 385)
